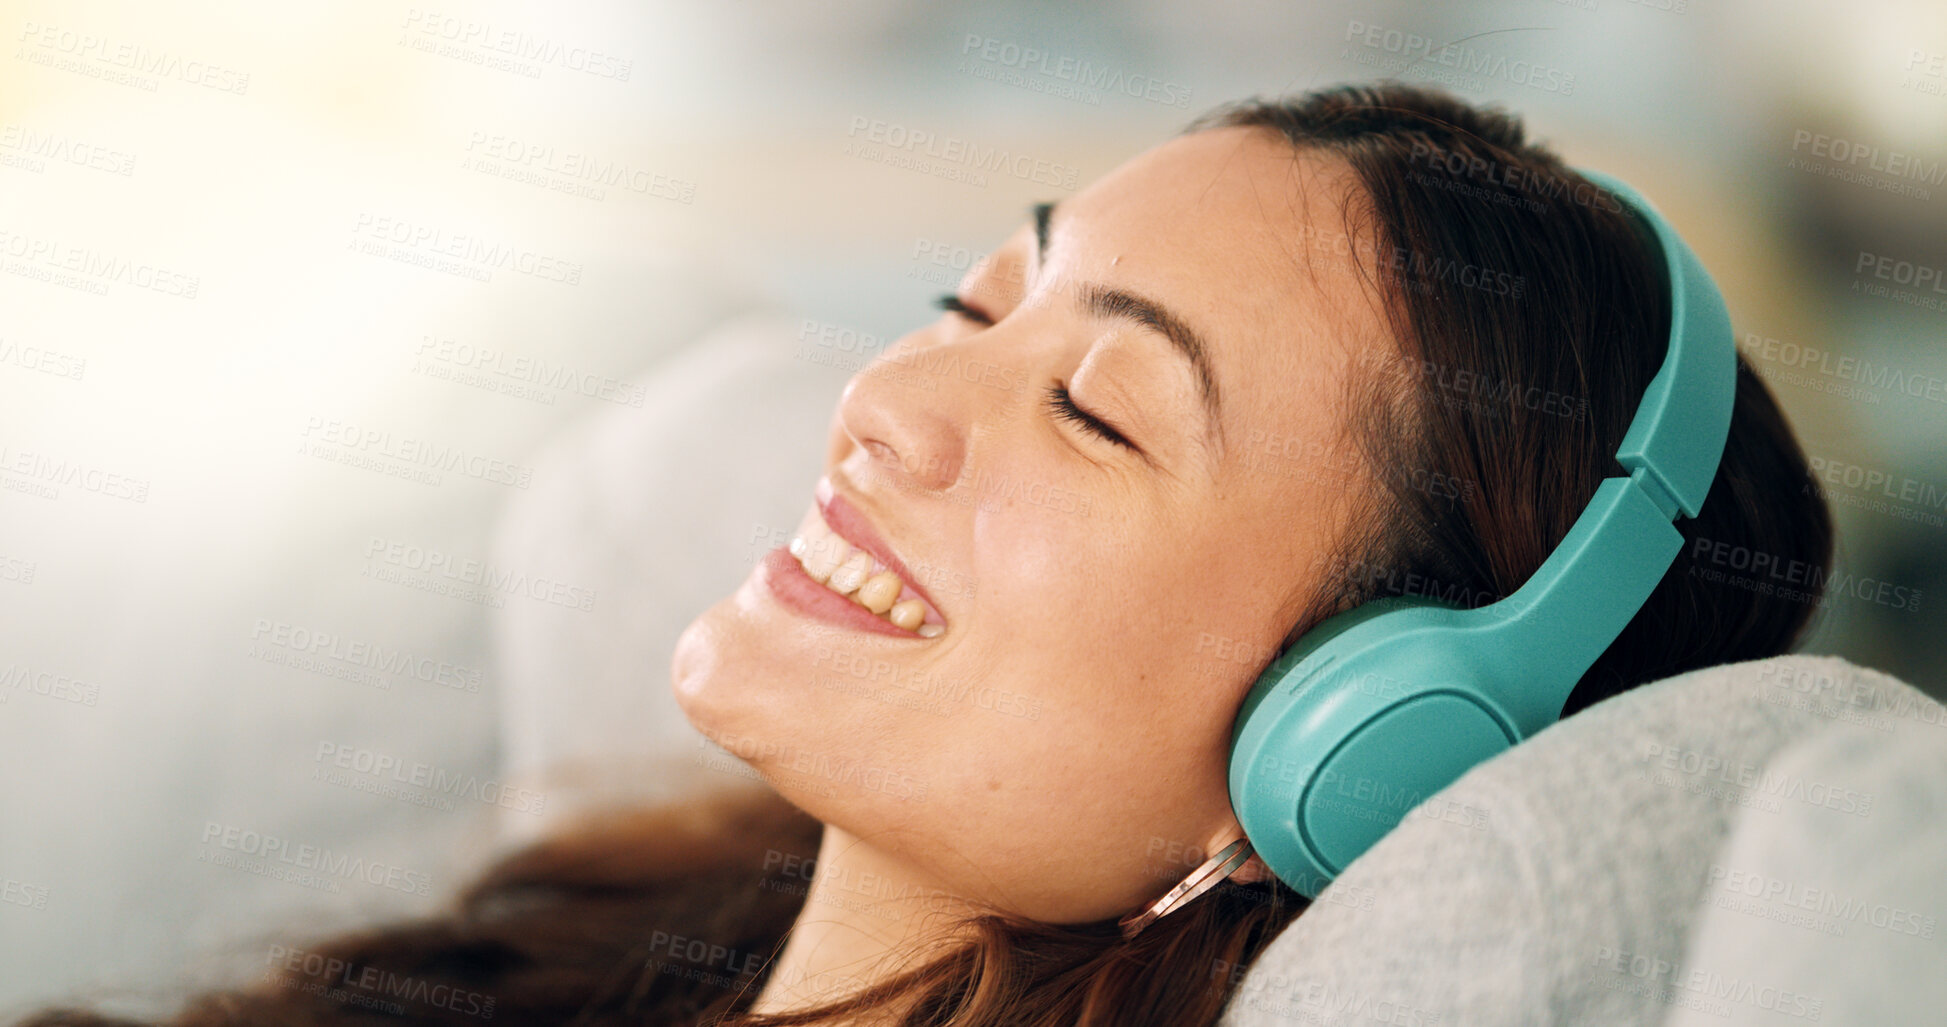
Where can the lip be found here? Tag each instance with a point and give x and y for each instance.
(851, 525)
(785, 578)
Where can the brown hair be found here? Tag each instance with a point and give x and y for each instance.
(1496, 266)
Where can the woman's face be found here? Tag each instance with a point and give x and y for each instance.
(1060, 750)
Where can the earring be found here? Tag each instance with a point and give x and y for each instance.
(1225, 863)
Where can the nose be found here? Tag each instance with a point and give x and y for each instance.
(911, 414)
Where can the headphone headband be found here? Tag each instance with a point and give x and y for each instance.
(1677, 437)
(1593, 582)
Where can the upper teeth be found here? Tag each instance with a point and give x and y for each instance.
(853, 572)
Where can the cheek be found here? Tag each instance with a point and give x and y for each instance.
(1050, 558)
(1086, 618)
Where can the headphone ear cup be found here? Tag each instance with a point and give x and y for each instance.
(1341, 738)
(1395, 761)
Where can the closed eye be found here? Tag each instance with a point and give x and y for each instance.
(955, 304)
(1059, 402)
(1062, 406)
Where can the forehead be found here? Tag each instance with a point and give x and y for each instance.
(1246, 238)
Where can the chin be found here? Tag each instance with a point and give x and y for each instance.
(730, 684)
(728, 673)
(694, 662)
(712, 674)
(717, 687)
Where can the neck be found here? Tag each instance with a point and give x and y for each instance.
(867, 917)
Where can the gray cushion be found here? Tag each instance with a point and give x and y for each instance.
(1546, 883)
(1831, 913)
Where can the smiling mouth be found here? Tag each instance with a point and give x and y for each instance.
(850, 571)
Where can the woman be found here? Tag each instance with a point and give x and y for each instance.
(1310, 353)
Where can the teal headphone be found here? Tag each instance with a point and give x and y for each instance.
(1379, 707)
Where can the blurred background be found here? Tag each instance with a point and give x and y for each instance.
(297, 301)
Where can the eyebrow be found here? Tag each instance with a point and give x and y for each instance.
(1104, 301)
